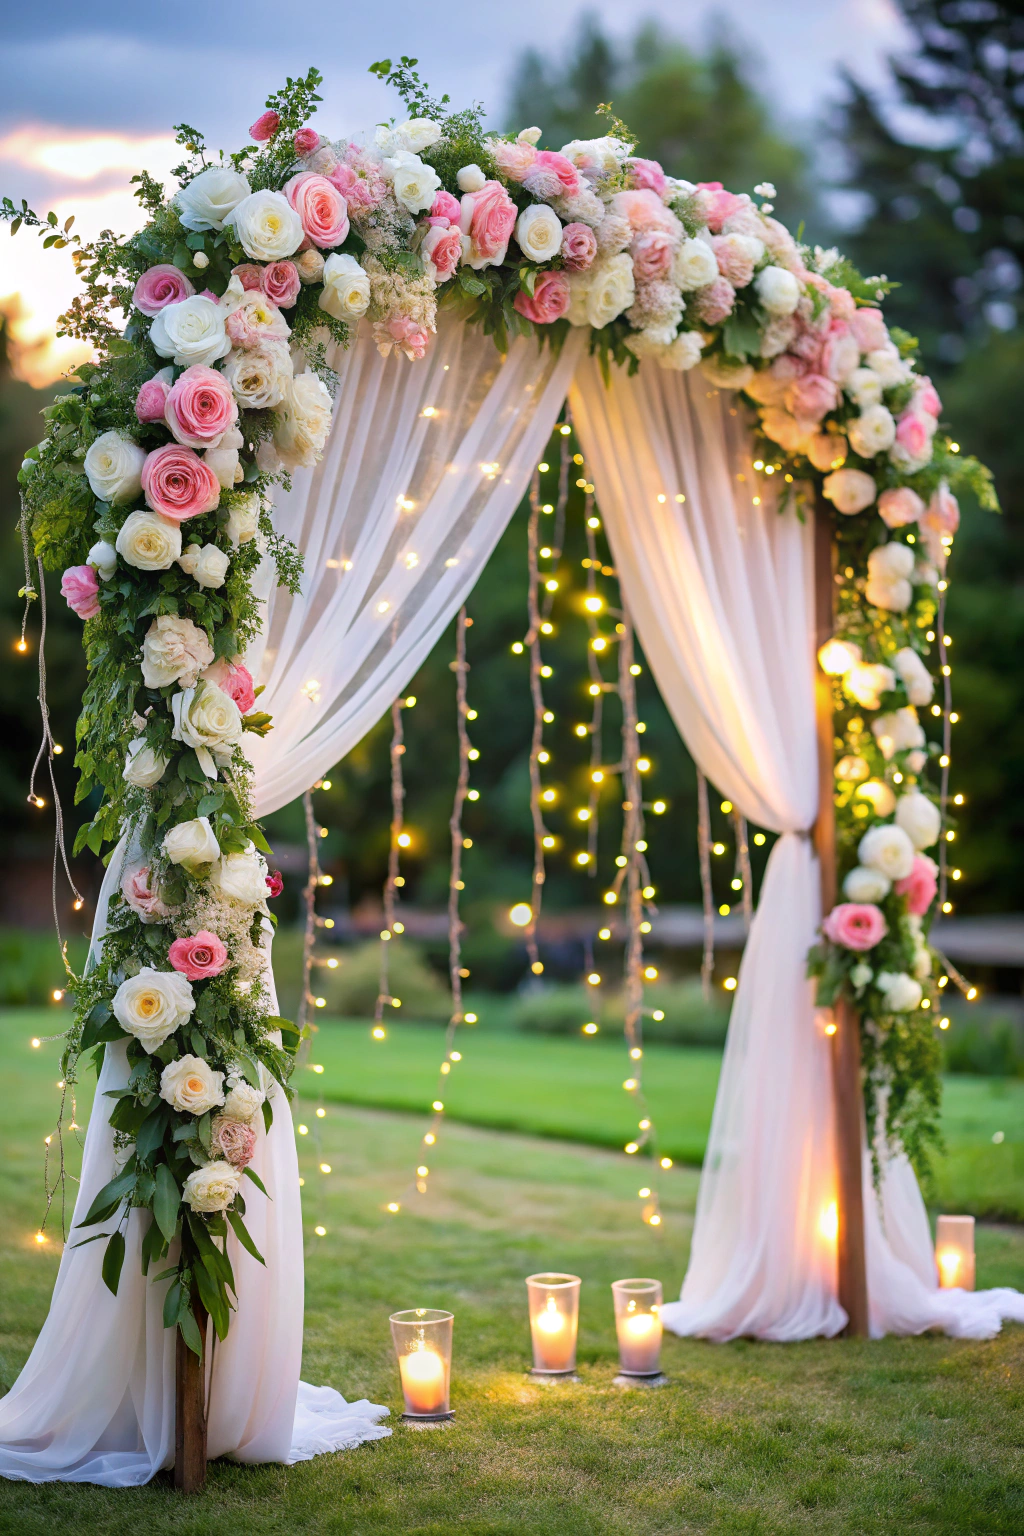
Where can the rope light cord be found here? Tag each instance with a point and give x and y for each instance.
(742, 870)
(390, 898)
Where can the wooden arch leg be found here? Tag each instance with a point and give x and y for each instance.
(190, 1412)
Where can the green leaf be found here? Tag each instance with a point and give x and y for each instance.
(166, 1201)
(204, 1129)
(93, 1239)
(242, 1233)
(128, 1116)
(151, 1132)
(100, 1027)
(172, 1303)
(260, 840)
(113, 1259)
(110, 1196)
(268, 1115)
(250, 1070)
(256, 1180)
(189, 1327)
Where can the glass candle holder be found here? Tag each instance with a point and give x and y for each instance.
(554, 1321)
(954, 1252)
(638, 1326)
(423, 1343)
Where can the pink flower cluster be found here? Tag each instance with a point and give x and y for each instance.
(549, 300)
(321, 207)
(199, 407)
(200, 956)
(177, 483)
(159, 286)
(234, 679)
(488, 217)
(543, 172)
(279, 281)
(80, 586)
(856, 925)
(920, 886)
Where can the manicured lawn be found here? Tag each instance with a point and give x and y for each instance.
(904, 1434)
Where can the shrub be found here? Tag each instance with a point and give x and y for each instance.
(563, 1010)
(351, 988)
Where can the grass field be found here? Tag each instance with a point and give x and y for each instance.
(900, 1435)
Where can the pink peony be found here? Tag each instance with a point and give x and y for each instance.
(362, 186)
(734, 258)
(899, 507)
(80, 585)
(512, 160)
(320, 206)
(265, 126)
(441, 250)
(200, 956)
(788, 367)
(870, 330)
(647, 175)
(857, 925)
(160, 286)
(926, 398)
(275, 883)
(642, 211)
(306, 141)
(235, 1141)
(200, 407)
(716, 204)
(281, 283)
(579, 246)
(234, 680)
(488, 217)
(549, 300)
(410, 336)
(652, 254)
(840, 354)
(144, 899)
(913, 433)
(177, 483)
(151, 400)
(812, 396)
(249, 275)
(445, 206)
(549, 163)
(920, 886)
(713, 303)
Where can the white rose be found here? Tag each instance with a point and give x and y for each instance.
(207, 565)
(149, 541)
(209, 197)
(777, 289)
(113, 468)
(143, 767)
(223, 459)
(604, 154)
(191, 1084)
(539, 232)
(470, 179)
(303, 421)
(872, 432)
(310, 265)
(414, 182)
(684, 353)
(694, 265)
(916, 761)
(915, 676)
(866, 683)
(866, 885)
(879, 796)
(528, 136)
(103, 558)
(153, 1004)
(726, 373)
(346, 293)
(267, 226)
(888, 585)
(209, 721)
(191, 332)
(922, 966)
(849, 490)
(889, 850)
(259, 375)
(920, 819)
(889, 366)
(174, 651)
(611, 290)
(243, 1102)
(192, 843)
(861, 975)
(241, 877)
(212, 1188)
(900, 731)
(864, 387)
(901, 992)
(243, 521)
(418, 134)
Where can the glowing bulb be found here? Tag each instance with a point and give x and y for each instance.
(583, 858)
(422, 1171)
(666, 1162)
(57, 994)
(404, 840)
(659, 807)
(604, 933)
(379, 1032)
(837, 657)
(643, 764)
(325, 1167)
(471, 1018)
(551, 585)
(635, 1055)
(393, 1206)
(321, 1113)
(594, 979)
(303, 1130)
(593, 604)
(631, 1147)
(437, 1107)
(658, 1015)
(610, 897)
(590, 1029)
(650, 973)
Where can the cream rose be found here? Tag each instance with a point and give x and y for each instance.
(243, 1102)
(684, 353)
(143, 767)
(920, 819)
(470, 178)
(152, 1005)
(113, 468)
(241, 877)
(610, 290)
(916, 678)
(346, 293)
(888, 586)
(694, 265)
(864, 387)
(191, 1084)
(866, 885)
(874, 431)
(192, 844)
(223, 459)
(866, 683)
(191, 332)
(259, 376)
(303, 421)
(174, 651)
(778, 290)
(212, 1188)
(267, 226)
(849, 490)
(243, 522)
(900, 731)
(889, 366)
(149, 541)
(207, 720)
(209, 197)
(888, 850)
(901, 992)
(414, 182)
(539, 232)
(415, 135)
(103, 559)
(206, 564)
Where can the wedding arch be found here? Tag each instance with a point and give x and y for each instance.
(270, 495)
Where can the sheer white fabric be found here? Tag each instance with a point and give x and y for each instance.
(721, 594)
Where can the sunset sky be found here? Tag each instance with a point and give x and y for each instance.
(87, 95)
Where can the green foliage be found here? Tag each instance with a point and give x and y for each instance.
(406, 80)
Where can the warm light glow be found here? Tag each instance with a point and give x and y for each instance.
(590, 1029)
(393, 1206)
(837, 657)
(379, 1032)
(520, 914)
(730, 983)
(593, 604)
(659, 807)
(631, 1147)
(35, 1042)
(666, 1162)
(828, 1222)
(470, 1018)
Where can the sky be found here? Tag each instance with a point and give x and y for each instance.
(88, 93)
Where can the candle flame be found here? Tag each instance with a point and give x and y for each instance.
(550, 1320)
(949, 1264)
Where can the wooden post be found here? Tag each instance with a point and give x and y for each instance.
(190, 1411)
(846, 1084)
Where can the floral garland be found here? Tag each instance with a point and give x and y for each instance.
(218, 387)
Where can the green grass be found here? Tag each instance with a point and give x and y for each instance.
(900, 1435)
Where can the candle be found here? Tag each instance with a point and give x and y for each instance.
(638, 1326)
(554, 1316)
(954, 1252)
(423, 1344)
(423, 1385)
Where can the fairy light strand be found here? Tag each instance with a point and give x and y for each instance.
(742, 870)
(707, 964)
(390, 896)
(947, 742)
(537, 738)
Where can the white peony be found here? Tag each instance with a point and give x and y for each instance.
(206, 564)
(303, 421)
(777, 289)
(414, 182)
(470, 178)
(849, 490)
(889, 568)
(212, 1188)
(241, 877)
(610, 290)
(267, 226)
(174, 651)
(887, 849)
(694, 265)
(346, 293)
(900, 731)
(861, 974)
(889, 366)
(223, 459)
(684, 353)
(209, 197)
(726, 373)
(866, 683)
(243, 1102)
(149, 541)
(259, 375)
(243, 522)
(192, 843)
(416, 135)
(913, 673)
(103, 559)
(539, 232)
(143, 767)
(920, 819)
(191, 1084)
(191, 332)
(873, 431)
(209, 721)
(864, 387)
(153, 1004)
(866, 885)
(113, 468)
(597, 155)
(901, 992)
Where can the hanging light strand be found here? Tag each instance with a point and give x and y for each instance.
(947, 742)
(537, 738)
(390, 896)
(707, 964)
(598, 687)
(742, 870)
(307, 1029)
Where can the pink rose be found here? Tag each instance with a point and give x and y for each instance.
(857, 925)
(842, 302)
(151, 400)
(320, 206)
(80, 585)
(551, 175)
(549, 300)
(899, 507)
(812, 396)
(788, 367)
(713, 303)
(362, 188)
(647, 175)
(939, 520)
(642, 211)
(200, 956)
(144, 900)
(234, 680)
(249, 275)
(926, 398)
(410, 336)
(235, 1141)
(306, 141)
(579, 246)
(488, 217)
(200, 407)
(920, 886)
(913, 433)
(275, 883)
(177, 483)
(160, 286)
(265, 126)
(716, 204)
(281, 283)
(441, 250)
(870, 330)
(652, 254)
(445, 206)
(840, 354)
(512, 160)
(734, 259)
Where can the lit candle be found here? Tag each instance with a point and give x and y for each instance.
(423, 1344)
(554, 1317)
(422, 1372)
(638, 1326)
(954, 1252)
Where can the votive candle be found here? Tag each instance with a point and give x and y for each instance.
(954, 1252)
(554, 1320)
(638, 1326)
(423, 1343)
